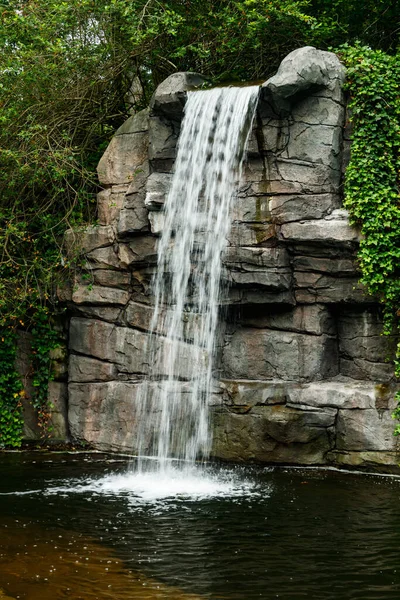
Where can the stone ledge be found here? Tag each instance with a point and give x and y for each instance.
(361, 395)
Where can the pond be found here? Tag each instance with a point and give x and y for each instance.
(74, 526)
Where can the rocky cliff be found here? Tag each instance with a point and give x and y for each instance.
(303, 375)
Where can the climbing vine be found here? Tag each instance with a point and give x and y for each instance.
(11, 392)
(372, 177)
(44, 339)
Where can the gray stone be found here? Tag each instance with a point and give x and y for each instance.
(335, 394)
(275, 281)
(110, 314)
(137, 184)
(270, 354)
(108, 278)
(317, 287)
(157, 188)
(253, 209)
(97, 294)
(359, 368)
(163, 137)
(104, 414)
(292, 425)
(266, 258)
(314, 319)
(103, 258)
(88, 239)
(243, 296)
(368, 347)
(302, 70)
(137, 123)
(58, 417)
(284, 209)
(123, 159)
(170, 96)
(245, 437)
(109, 205)
(126, 348)
(330, 266)
(317, 144)
(386, 462)
(321, 231)
(133, 219)
(247, 394)
(157, 222)
(356, 323)
(363, 430)
(139, 315)
(293, 176)
(120, 345)
(141, 250)
(84, 369)
(315, 110)
(247, 234)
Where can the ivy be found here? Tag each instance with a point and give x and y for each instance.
(44, 339)
(372, 177)
(11, 392)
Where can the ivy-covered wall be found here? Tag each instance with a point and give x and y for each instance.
(372, 177)
(33, 388)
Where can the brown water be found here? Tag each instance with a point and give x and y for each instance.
(279, 533)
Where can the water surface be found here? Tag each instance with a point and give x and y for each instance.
(73, 526)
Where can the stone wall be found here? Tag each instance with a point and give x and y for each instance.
(303, 374)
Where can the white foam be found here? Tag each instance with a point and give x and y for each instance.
(172, 484)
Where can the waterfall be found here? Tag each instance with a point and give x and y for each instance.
(173, 419)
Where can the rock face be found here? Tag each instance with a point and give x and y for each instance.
(303, 374)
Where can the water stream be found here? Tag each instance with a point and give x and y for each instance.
(187, 287)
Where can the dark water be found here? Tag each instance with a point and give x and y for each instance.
(291, 534)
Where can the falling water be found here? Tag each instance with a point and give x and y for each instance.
(187, 285)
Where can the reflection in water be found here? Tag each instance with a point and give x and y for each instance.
(46, 565)
(287, 534)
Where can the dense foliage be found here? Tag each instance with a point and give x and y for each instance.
(70, 72)
(11, 393)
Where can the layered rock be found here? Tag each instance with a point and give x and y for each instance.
(303, 374)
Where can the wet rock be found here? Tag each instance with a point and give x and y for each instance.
(287, 208)
(304, 70)
(157, 187)
(170, 96)
(322, 231)
(314, 319)
(133, 219)
(317, 287)
(246, 437)
(271, 354)
(97, 295)
(126, 153)
(367, 429)
(85, 369)
(88, 239)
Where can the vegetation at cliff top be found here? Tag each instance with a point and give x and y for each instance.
(70, 72)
